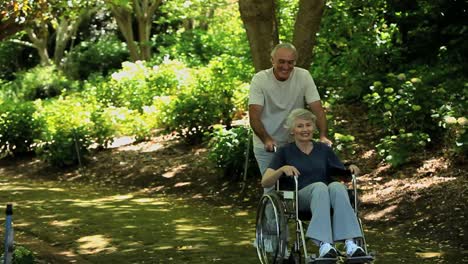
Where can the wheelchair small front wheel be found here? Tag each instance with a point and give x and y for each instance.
(271, 229)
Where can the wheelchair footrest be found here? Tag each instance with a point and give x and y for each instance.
(314, 260)
(355, 260)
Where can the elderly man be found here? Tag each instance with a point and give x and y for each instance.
(274, 93)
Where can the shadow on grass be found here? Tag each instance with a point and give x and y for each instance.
(105, 226)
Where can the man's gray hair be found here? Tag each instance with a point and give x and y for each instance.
(299, 113)
(285, 45)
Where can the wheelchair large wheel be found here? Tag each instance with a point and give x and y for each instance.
(271, 233)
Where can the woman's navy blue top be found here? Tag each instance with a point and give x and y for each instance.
(314, 167)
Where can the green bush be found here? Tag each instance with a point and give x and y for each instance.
(350, 55)
(133, 123)
(456, 138)
(344, 145)
(18, 127)
(22, 255)
(136, 85)
(100, 57)
(191, 115)
(215, 97)
(42, 82)
(397, 149)
(227, 150)
(402, 102)
(14, 58)
(72, 125)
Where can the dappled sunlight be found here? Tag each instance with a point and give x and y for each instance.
(172, 172)
(26, 188)
(24, 224)
(396, 187)
(69, 222)
(163, 248)
(151, 201)
(181, 184)
(242, 213)
(153, 148)
(95, 244)
(48, 216)
(426, 255)
(121, 141)
(380, 214)
(368, 154)
(133, 223)
(67, 253)
(433, 165)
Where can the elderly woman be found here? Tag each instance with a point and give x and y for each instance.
(312, 162)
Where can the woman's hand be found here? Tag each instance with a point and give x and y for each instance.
(290, 170)
(354, 169)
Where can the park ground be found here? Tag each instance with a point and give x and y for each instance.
(425, 199)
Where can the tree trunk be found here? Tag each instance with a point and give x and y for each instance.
(39, 41)
(66, 30)
(305, 29)
(262, 29)
(144, 11)
(124, 21)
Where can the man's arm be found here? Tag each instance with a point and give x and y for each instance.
(255, 113)
(317, 109)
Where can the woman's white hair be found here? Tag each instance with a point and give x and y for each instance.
(299, 113)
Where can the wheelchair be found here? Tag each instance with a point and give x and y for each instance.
(279, 207)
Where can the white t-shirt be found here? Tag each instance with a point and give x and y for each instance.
(279, 98)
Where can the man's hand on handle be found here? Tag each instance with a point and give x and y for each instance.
(326, 141)
(270, 144)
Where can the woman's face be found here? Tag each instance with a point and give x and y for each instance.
(303, 130)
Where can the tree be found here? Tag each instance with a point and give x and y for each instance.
(143, 10)
(261, 24)
(16, 15)
(306, 28)
(63, 17)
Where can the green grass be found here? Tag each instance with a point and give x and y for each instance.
(105, 226)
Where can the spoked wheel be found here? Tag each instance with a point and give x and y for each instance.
(271, 234)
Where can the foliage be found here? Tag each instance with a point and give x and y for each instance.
(209, 101)
(204, 31)
(416, 101)
(66, 139)
(455, 138)
(136, 85)
(402, 102)
(95, 57)
(13, 58)
(427, 27)
(131, 122)
(344, 145)
(191, 114)
(42, 82)
(286, 12)
(228, 151)
(356, 45)
(397, 149)
(18, 127)
(22, 255)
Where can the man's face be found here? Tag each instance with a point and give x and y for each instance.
(283, 63)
